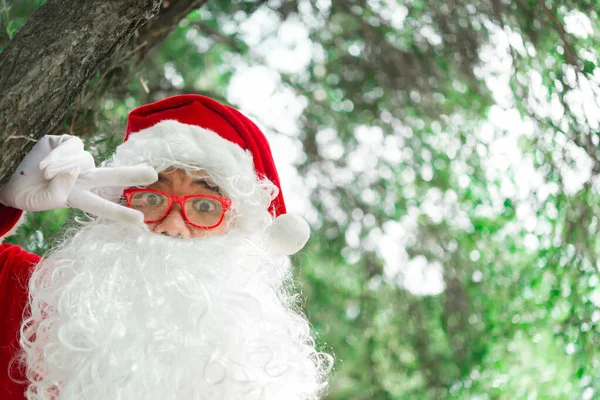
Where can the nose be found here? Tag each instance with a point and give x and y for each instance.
(173, 224)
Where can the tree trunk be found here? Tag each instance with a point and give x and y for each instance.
(48, 62)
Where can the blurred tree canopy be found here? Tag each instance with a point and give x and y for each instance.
(450, 153)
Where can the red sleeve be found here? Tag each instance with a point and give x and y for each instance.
(8, 218)
(16, 266)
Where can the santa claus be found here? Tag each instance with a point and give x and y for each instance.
(179, 288)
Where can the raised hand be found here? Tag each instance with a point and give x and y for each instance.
(59, 173)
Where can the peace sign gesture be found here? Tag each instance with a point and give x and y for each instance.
(59, 173)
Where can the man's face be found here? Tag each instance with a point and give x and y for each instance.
(177, 182)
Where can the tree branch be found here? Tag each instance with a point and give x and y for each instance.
(171, 13)
(570, 56)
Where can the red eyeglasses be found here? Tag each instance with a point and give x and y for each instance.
(202, 211)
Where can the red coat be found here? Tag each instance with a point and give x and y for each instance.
(16, 266)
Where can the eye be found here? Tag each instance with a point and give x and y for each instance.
(152, 199)
(204, 205)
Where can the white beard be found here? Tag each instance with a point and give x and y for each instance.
(121, 313)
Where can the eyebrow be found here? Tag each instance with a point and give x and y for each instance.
(207, 185)
(201, 181)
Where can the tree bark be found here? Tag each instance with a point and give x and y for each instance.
(48, 62)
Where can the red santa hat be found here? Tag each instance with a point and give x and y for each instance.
(224, 121)
(216, 126)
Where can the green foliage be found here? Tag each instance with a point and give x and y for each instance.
(13, 16)
(41, 230)
(401, 126)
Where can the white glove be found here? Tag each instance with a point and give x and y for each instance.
(59, 173)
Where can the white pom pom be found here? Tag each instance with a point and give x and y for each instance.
(288, 234)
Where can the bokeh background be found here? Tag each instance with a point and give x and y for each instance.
(446, 156)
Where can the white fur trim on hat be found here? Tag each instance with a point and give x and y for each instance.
(188, 145)
(288, 234)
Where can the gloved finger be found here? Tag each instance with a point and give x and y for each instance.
(84, 161)
(55, 140)
(67, 148)
(88, 202)
(140, 175)
(55, 194)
